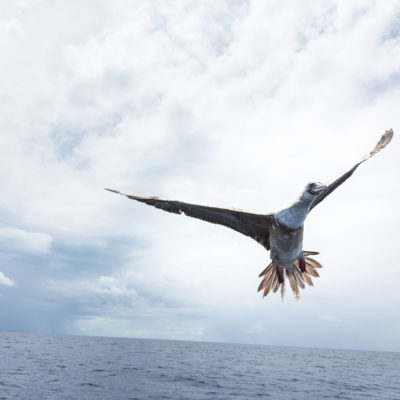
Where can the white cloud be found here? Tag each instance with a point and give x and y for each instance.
(6, 281)
(10, 29)
(103, 285)
(14, 239)
(229, 103)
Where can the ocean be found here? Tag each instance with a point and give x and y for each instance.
(96, 368)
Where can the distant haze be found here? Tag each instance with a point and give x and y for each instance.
(230, 103)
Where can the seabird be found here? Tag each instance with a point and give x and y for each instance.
(281, 232)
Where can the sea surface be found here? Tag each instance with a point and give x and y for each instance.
(79, 368)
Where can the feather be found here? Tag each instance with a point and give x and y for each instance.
(311, 270)
(307, 279)
(255, 226)
(283, 290)
(383, 141)
(261, 285)
(267, 278)
(310, 253)
(298, 277)
(314, 263)
(269, 286)
(266, 291)
(276, 285)
(293, 285)
(264, 272)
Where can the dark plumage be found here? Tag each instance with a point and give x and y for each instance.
(280, 232)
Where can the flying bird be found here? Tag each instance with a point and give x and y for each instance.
(281, 232)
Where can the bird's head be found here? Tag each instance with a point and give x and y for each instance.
(314, 188)
(310, 192)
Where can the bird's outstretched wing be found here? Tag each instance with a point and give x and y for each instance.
(384, 140)
(255, 226)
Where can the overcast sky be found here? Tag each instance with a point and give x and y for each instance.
(231, 103)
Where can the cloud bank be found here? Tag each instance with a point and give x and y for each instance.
(235, 103)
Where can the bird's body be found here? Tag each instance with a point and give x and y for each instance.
(280, 232)
(286, 244)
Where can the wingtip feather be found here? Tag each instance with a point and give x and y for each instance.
(382, 143)
(114, 191)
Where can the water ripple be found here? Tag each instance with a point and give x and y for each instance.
(86, 368)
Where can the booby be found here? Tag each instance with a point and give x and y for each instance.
(281, 232)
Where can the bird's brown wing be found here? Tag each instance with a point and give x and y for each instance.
(255, 226)
(384, 140)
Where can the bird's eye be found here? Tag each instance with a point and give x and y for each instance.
(311, 187)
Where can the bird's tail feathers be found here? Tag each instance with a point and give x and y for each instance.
(309, 253)
(272, 277)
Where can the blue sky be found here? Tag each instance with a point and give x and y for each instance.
(229, 103)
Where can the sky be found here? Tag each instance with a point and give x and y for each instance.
(232, 103)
